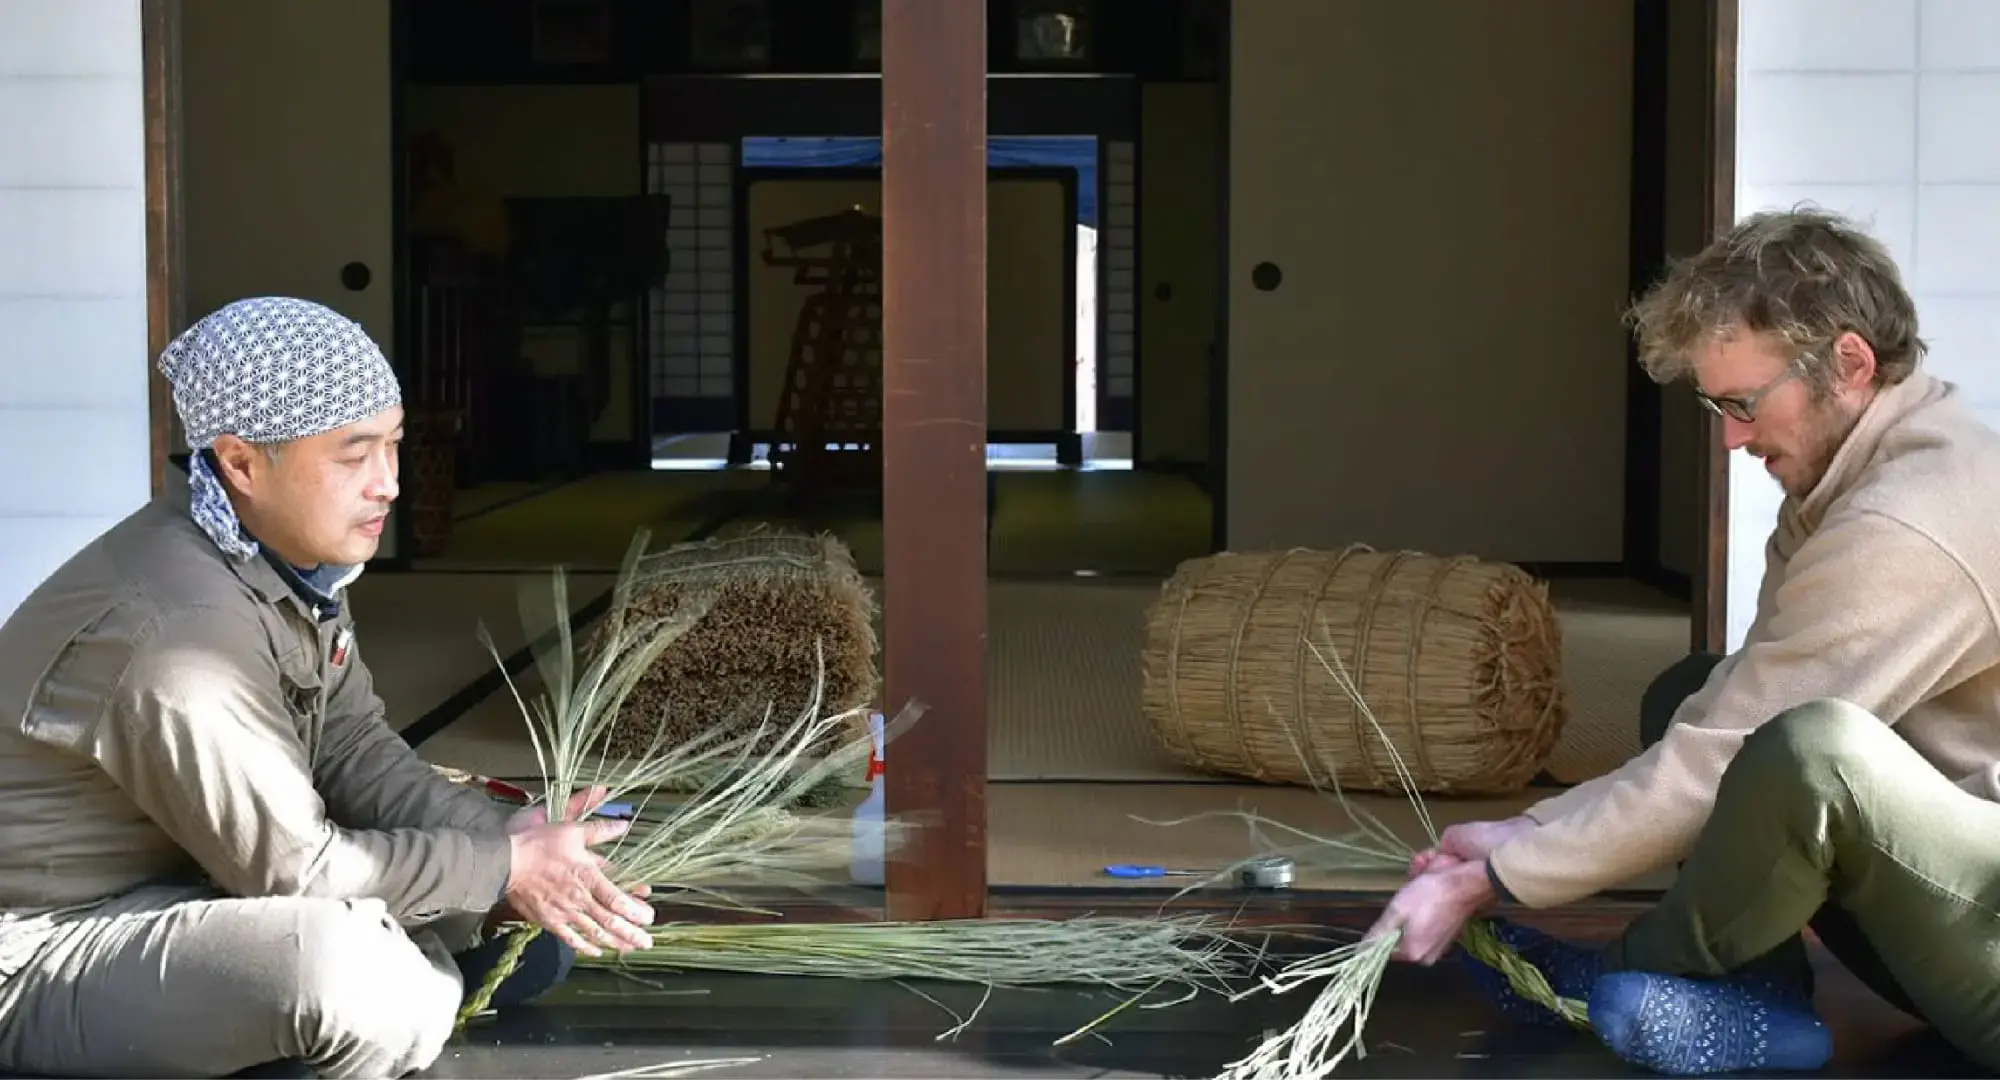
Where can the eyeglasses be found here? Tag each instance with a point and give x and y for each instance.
(1744, 408)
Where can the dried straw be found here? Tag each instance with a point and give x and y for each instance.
(737, 826)
(1460, 656)
(673, 1070)
(736, 829)
(787, 618)
(1312, 1048)
(1133, 957)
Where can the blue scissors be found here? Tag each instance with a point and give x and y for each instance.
(1129, 870)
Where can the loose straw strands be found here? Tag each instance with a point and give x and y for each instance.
(737, 824)
(672, 1070)
(1137, 958)
(1313, 1048)
(1477, 938)
(735, 821)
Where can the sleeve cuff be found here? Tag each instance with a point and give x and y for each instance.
(1499, 887)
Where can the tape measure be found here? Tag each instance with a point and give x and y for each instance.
(1269, 872)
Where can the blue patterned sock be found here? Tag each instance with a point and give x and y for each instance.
(1570, 969)
(1700, 1027)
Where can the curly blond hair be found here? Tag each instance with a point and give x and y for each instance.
(1803, 276)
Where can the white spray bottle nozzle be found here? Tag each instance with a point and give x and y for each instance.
(865, 865)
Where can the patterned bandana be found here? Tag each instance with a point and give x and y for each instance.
(268, 370)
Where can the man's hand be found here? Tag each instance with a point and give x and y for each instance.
(559, 884)
(1432, 908)
(580, 806)
(1468, 841)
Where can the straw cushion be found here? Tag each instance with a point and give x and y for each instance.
(777, 596)
(1457, 658)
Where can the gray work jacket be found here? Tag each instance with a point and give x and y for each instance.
(169, 713)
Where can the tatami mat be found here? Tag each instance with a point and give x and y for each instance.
(420, 632)
(1063, 684)
(491, 739)
(1065, 663)
(1064, 676)
(1064, 720)
(1050, 522)
(1066, 834)
(481, 499)
(590, 523)
(1609, 657)
(1109, 521)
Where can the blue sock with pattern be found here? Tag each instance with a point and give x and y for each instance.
(1700, 1027)
(1570, 969)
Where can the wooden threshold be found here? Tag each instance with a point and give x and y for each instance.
(1596, 919)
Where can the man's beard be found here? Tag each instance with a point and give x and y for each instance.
(1806, 465)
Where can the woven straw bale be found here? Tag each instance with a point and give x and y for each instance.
(777, 598)
(1457, 658)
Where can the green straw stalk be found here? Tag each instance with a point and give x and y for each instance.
(1138, 958)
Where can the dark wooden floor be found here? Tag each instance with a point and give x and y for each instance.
(1425, 1023)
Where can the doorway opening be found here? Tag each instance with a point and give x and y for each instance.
(1080, 154)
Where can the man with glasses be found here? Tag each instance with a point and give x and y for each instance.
(1839, 770)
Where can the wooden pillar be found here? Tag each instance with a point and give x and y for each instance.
(166, 313)
(934, 446)
(1710, 622)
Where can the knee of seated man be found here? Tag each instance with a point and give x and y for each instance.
(363, 980)
(1807, 739)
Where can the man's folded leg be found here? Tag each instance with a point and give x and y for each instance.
(160, 984)
(1824, 805)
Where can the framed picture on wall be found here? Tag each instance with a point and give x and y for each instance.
(572, 33)
(1054, 33)
(729, 35)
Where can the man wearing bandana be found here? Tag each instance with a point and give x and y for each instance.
(215, 854)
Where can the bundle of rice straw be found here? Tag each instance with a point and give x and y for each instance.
(737, 825)
(736, 830)
(1314, 1047)
(1133, 957)
(788, 618)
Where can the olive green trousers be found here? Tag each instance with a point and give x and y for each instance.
(1827, 818)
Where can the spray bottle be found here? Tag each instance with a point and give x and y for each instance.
(865, 864)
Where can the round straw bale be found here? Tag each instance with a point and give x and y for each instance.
(1458, 659)
(783, 604)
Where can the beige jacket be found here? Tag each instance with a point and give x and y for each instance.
(1880, 588)
(170, 714)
